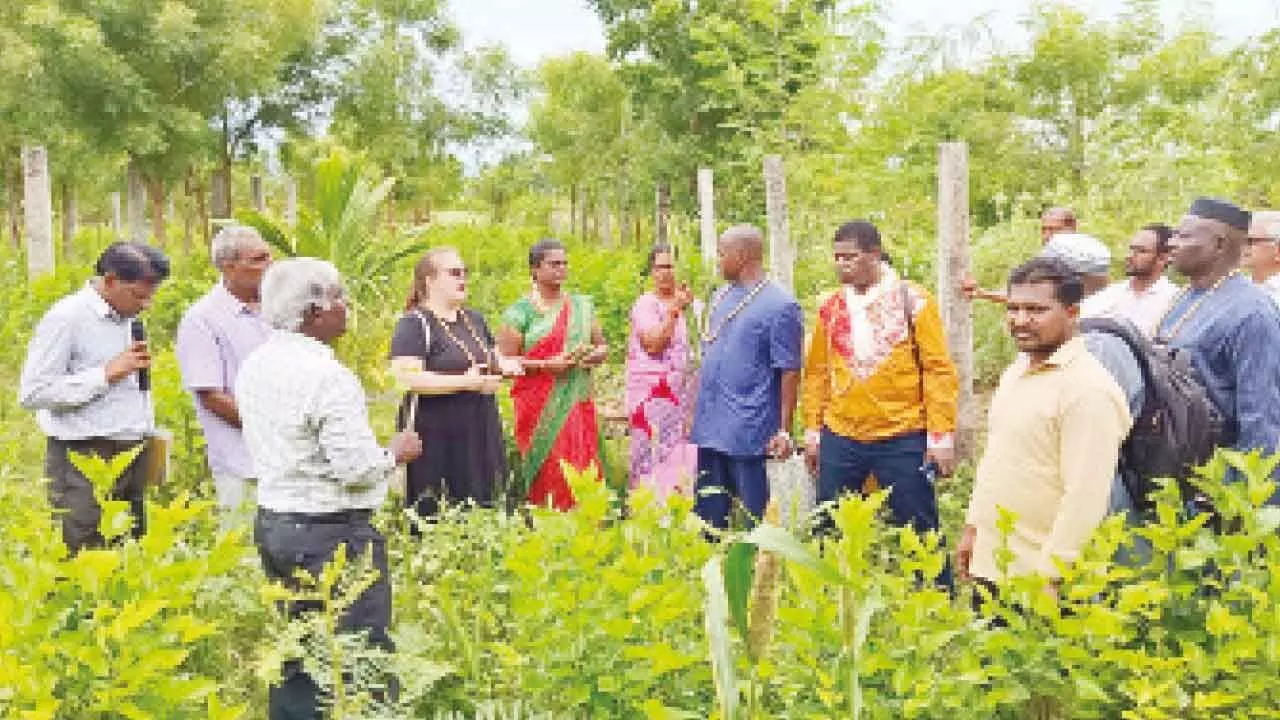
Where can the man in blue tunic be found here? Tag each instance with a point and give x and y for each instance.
(1228, 325)
(751, 354)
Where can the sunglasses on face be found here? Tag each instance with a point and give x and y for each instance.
(664, 266)
(1255, 240)
(456, 272)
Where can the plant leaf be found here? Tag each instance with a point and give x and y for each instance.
(739, 567)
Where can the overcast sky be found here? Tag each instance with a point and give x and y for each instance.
(533, 29)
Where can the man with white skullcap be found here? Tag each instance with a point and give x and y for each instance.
(1087, 256)
(1053, 221)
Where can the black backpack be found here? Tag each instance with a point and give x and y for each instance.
(1179, 426)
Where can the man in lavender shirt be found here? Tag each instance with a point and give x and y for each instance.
(215, 336)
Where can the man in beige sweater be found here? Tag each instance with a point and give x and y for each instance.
(1055, 427)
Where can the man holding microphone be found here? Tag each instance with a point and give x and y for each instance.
(86, 376)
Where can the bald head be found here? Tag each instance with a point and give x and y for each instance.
(1265, 226)
(746, 237)
(741, 251)
(1262, 253)
(1056, 220)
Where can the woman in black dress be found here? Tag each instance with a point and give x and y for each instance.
(444, 354)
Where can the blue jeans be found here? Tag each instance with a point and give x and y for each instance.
(898, 464)
(740, 477)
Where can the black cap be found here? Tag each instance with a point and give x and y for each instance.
(1222, 211)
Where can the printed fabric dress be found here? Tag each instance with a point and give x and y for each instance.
(555, 416)
(659, 405)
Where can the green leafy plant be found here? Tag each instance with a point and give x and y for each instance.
(113, 631)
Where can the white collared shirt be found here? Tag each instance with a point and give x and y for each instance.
(1144, 308)
(64, 378)
(1272, 286)
(306, 427)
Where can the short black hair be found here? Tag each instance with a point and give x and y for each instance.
(1068, 288)
(133, 262)
(540, 249)
(654, 252)
(861, 232)
(1164, 234)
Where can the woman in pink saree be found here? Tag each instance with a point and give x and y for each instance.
(659, 383)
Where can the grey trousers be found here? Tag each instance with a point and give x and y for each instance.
(289, 541)
(71, 493)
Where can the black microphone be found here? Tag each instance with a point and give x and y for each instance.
(140, 335)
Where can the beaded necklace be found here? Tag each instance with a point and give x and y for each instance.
(1177, 326)
(709, 337)
(541, 305)
(471, 330)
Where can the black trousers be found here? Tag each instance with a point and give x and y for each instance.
(71, 493)
(289, 541)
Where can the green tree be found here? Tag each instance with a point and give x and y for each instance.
(718, 77)
(146, 78)
(579, 119)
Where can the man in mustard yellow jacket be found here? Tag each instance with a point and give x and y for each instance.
(879, 389)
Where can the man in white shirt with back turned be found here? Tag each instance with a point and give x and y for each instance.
(321, 472)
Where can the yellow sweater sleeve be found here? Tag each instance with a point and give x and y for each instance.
(941, 384)
(815, 390)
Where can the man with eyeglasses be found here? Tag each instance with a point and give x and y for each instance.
(1145, 295)
(1262, 255)
(1227, 325)
(87, 378)
(215, 336)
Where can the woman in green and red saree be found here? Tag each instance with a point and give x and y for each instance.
(557, 336)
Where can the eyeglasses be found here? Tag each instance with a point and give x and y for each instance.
(456, 272)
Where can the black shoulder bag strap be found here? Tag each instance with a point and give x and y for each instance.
(1140, 349)
(915, 346)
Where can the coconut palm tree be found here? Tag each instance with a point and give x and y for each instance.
(341, 227)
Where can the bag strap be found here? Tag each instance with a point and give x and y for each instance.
(1139, 347)
(915, 345)
(1141, 350)
(426, 334)
(411, 398)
